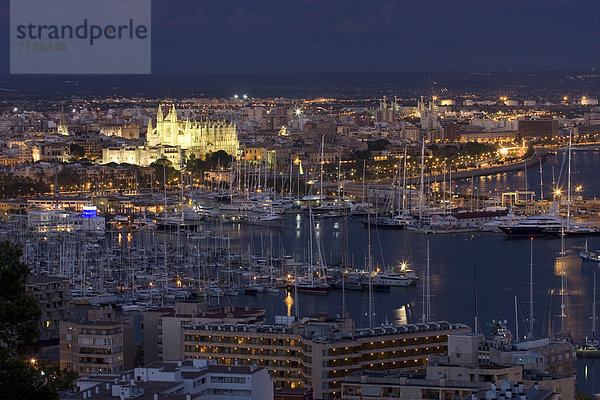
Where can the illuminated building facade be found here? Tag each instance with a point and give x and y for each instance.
(61, 221)
(102, 343)
(198, 137)
(172, 138)
(62, 126)
(318, 352)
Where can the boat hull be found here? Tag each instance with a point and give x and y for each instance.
(524, 232)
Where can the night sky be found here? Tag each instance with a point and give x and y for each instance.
(264, 36)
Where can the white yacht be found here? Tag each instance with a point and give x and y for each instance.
(548, 225)
(392, 279)
(506, 220)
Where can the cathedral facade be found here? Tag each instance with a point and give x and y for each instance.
(198, 137)
(173, 139)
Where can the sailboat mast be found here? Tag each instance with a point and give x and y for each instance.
(291, 195)
(553, 186)
(425, 318)
(475, 298)
(450, 185)
(370, 268)
(563, 305)
(343, 295)
(340, 177)
(569, 183)
(296, 293)
(594, 310)
(541, 182)
(321, 178)
(404, 184)
(181, 181)
(363, 179)
(165, 186)
(428, 286)
(422, 188)
(516, 320)
(525, 175)
(399, 196)
(531, 289)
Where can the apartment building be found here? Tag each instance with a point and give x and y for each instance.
(101, 343)
(54, 298)
(318, 352)
(187, 379)
(162, 338)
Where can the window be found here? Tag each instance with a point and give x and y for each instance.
(227, 379)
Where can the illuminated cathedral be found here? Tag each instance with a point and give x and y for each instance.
(173, 139)
(198, 137)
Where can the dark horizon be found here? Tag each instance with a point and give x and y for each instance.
(543, 84)
(268, 36)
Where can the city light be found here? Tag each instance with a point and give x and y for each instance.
(320, 234)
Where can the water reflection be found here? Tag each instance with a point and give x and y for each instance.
(588, 375)
(401, 315)
(289, 302)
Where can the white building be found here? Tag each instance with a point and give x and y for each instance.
(193, 379)
(61, 221)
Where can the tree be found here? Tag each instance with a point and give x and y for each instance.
(218, 158)
(19, 312)
(68, 178)
(530, 151)
(162, 166)
(20, 376)
(378, 145)
(77, 151)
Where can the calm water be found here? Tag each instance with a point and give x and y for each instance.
(502, 269)
(584, 170)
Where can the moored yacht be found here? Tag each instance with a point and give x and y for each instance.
(311, 285)
(400, 221)
(496, 224)
(548, 225)
(592, 256)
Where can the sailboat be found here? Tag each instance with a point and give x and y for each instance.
(552, 224)
(591, 256)
(591, 349)
(314, 282)
(402, 218)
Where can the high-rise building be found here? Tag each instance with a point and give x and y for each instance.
(102, 343)
(538, 128)
(452, 132)
(162, 327)
(473, 363)
(54, 299)
(318, 352)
